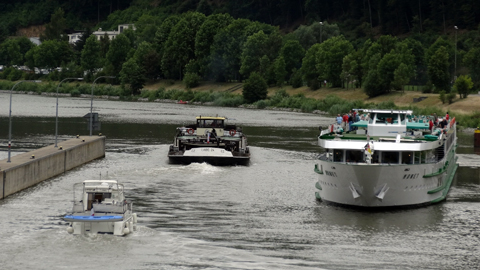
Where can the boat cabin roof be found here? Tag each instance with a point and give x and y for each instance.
(101, 181)
(210, 117)
(101, 185)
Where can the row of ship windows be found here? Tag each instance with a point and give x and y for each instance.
(407, 188)
(405, 176)
(385, 157)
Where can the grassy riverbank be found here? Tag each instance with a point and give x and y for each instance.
(329, 100)
(469, 105)
(337, 100)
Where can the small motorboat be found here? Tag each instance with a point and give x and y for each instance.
(100, 206)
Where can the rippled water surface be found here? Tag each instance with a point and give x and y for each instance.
(263, 216)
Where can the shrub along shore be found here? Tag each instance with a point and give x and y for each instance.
(280, 99)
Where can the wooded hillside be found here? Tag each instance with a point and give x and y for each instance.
(341, 42)
(357, 17)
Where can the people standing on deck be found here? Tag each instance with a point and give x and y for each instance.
(430, 125)
(440, 123)
(350, 122)
(357, 119)
(345, 121)
(443, 123)
(447, 117)
(339, 119)
(435, 119)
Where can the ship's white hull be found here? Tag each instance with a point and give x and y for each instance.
(383, 185)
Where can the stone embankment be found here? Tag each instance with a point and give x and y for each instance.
(30, 168)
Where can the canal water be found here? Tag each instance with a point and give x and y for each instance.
(263, 216)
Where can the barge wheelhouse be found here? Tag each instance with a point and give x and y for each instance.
(210, 140)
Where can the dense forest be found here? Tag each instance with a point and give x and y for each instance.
(353, 16)
(378, 45)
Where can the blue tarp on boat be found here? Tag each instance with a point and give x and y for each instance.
(92, 218)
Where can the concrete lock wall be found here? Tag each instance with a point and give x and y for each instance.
(84, 153)
(25, 171)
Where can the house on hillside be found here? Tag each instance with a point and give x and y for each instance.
(74, 37)
(35, 40)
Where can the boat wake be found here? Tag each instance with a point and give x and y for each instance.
(203, 168)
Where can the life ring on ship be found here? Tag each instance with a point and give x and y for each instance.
(232, 132)
(190, 131)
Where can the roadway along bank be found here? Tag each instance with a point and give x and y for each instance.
(30, 168)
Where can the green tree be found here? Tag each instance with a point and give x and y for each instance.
(30, 57)
(267, 70)
(386, 43)
(163, 32)
(191, 80)
(180, 45)
(449, 48)
(292, 52)
(309, 67)
(296, 79)
(146, 27)
(55, 29)
(401, 77)
(205, 38)
(25, 45)
(227, 50)
(330, 59)
(52, 53)
(132, 76)
(117, 54)
(104, 45)
(148, 59)
(311, 34)
(90, 57)
(463, 85)
(348, 67)
(438, 70)
(472, 61)
(386, 70)
(10, 53)
(442, 96)
(255, 88)
(370, 85)
(3, 33)
(418, 51)
(254, 49)
(280, 70)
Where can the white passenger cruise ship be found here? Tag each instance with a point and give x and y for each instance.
(389, 161)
